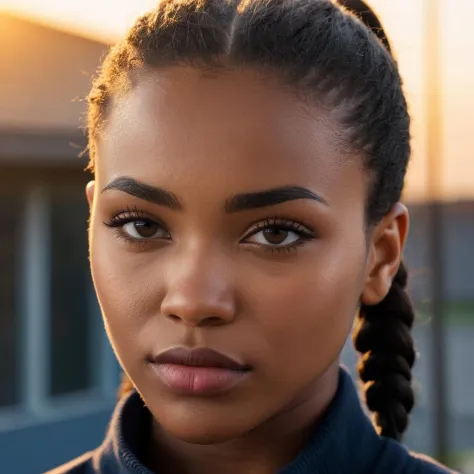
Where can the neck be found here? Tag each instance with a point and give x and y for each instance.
(264, 450)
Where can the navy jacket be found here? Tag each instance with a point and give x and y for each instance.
(344, 442)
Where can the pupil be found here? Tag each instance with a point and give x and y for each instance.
(145, 229)
(275, 236)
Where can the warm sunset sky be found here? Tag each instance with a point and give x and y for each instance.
(403, 20)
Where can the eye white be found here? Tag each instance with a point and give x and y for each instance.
(260, 239)
(131, 229)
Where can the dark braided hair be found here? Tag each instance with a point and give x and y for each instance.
(338, 56)
(386, 343)
(383, 337)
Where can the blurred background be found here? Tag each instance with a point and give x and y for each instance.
(58, 373)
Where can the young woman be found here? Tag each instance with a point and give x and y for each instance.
(249, 161)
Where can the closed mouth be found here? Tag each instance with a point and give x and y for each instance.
(200, 357)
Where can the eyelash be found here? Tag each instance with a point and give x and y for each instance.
(128, 215)
(305, 235)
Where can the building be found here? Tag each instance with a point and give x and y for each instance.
(59, 375)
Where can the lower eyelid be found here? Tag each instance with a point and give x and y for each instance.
(277, 249)
(303, 232)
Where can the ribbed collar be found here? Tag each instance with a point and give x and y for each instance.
(344, 441)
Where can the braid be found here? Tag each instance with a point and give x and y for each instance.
(383, 337)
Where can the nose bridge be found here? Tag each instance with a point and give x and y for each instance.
(199, 286)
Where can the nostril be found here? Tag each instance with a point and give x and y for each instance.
(197, 321)
(214, 321)
(174, 318)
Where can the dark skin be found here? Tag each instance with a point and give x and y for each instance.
(201, 275)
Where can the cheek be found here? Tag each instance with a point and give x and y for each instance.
(123, 288)
(307, 313)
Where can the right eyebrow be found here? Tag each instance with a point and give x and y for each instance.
(146, 192)
(270, 197)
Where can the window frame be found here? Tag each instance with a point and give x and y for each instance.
(35, 406)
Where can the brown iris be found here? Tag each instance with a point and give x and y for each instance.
(146, 229)
(275, 236)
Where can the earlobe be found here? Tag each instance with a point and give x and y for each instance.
(385, 255)
(90, 189)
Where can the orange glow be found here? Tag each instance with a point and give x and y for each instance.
(107, 20)
(104, 20)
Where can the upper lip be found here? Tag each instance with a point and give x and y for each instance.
(201, 357)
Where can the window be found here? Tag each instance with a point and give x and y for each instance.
(10, 212)
(70, 321)
(53, 349)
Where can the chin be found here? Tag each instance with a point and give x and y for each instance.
(202, 425)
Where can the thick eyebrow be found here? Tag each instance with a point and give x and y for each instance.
(239, 202)
(146, 192)
(270, 197)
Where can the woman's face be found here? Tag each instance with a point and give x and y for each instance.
(226, 217)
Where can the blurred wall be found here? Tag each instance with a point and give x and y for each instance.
(42, 72)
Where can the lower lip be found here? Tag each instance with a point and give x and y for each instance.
(188, 380)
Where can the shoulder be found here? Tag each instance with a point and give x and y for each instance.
(396, 458)
(80, 465)
(425, 465)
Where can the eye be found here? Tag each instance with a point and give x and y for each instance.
(132, 226)
(144, 229)
(275, 237)
(278, 234)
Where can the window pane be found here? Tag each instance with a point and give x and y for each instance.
(70, 316)
(458, 294)
(10, 218)
(459, 324)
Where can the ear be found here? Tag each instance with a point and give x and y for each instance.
(385, 254)
(90, 189)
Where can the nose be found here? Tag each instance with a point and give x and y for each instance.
(199, 292)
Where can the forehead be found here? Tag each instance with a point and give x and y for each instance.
(237, 129)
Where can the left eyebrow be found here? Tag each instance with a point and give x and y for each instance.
(270, 197)
(146, 192)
